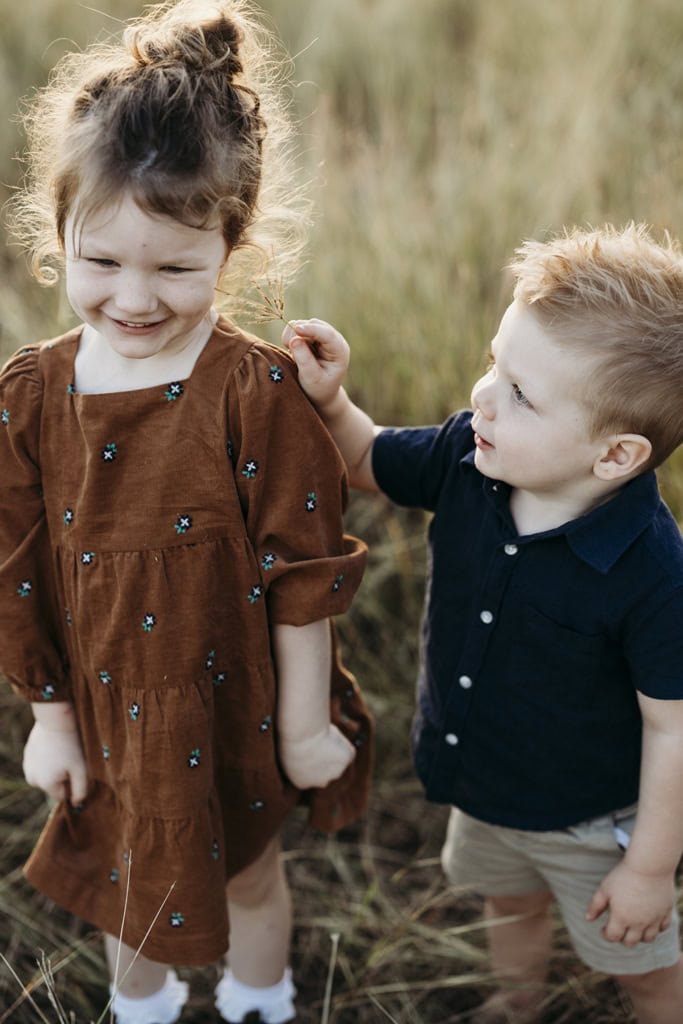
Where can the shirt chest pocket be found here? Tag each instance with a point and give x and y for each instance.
(554, 666)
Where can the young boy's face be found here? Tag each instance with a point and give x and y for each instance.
(531, 430)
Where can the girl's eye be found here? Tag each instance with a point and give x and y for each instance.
(519, 396)
(175, 270)
(101, 262)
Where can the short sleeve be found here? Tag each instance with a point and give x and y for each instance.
(654, 644)
(410, 464)
(292, 487)
(30, 651)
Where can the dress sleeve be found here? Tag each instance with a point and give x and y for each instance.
(292, 486)
(30, 652)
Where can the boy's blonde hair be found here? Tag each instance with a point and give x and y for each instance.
(616, 295)
(188, 115)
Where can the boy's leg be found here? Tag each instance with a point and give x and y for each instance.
(259, 906)
(657, 996)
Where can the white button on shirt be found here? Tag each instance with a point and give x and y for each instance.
(486, 617)
(465, 682)
(451, 739)
(510, 549)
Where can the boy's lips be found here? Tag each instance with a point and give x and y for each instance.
(482, 443)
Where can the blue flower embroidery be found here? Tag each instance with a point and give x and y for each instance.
(183, 523)
(114, 875)
(210, 658)
(109, 452)
(176, 920)
(87, 557)
(173, 391)
(338, 582)
(48, 691)
(4, 417)
(134, 711)
(104, 677)
(68, 516)
(194, 759)
(24, 588)
(214, 849)
(256, 805)
(250, 469)
(311, 501)
(149, 622)
(276, 375)
(105, 752)
(268, 560)
(70, 389)
(219, 678)
(255, 593)
(265, 724)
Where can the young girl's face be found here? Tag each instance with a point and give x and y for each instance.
(144, 283)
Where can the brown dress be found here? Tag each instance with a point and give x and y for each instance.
(148, 539)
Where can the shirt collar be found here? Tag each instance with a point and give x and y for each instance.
(601, 536)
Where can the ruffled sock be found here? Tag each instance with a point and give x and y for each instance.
(274, 1004)
(162, 1007)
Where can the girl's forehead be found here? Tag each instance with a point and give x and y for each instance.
(124, 218)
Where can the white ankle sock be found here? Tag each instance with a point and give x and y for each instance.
(162, 1007)
(275, 1004)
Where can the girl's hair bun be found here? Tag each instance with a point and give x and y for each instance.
(200, 37)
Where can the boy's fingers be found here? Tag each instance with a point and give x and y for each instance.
(597, 905)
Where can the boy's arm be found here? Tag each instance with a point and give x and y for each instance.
(312, 750)
(322, 356)
(53, 756)
(639, 893)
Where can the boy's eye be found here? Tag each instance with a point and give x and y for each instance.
(519, 396)
(176, 270)
(101, 262)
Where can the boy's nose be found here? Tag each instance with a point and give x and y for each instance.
(482, 397)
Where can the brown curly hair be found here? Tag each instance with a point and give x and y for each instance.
(188, 114)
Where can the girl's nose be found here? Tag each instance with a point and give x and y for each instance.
(483, 397)
(135, 296)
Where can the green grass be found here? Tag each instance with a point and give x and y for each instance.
(439, 134)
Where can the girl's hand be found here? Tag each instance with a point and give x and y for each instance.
(54, 762)
(313, 761)
(322, 356)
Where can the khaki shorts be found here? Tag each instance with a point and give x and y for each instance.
(570, 863)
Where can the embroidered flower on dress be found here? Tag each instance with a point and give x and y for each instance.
(24, 588)
(173, 391)
(311, 501)
(250, 469)
(87, 557)
(255, 593)
(276, 375)
(194, 759)
(149, 622)
(210, 658)
(4, 417)
(70, 389)
(48, 691)
(219, 678)
(67, 616)
(68, 516)
(268, 560)
(183, 523)
(215, 850)
(104, 677)
(109, 452)
(256, 805)
(105, 752)
(265, 724)
(114, 875)
(134, 711)
(176, 920)
(337, 583)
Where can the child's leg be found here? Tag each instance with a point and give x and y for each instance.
(657, 996)
(260, 912)
(519, 948)
(145, 976)
(150, 992)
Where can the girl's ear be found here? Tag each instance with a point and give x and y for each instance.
(625, 456)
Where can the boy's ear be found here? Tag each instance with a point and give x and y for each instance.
(626, 454)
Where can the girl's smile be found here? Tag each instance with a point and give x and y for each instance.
(143, 283)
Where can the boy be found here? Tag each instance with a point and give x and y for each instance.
(551, 693)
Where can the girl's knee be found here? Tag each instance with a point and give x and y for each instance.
(257, 882)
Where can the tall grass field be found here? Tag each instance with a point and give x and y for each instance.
(437, 134)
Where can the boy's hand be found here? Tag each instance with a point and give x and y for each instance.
(313, 761)
(639, 906)
(322, 355)
(54, 762)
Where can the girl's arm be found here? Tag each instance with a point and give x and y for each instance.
(53, 756)
(639, 893)
(322, 356)
(312, 750)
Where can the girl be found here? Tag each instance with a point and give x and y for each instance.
(171, 543)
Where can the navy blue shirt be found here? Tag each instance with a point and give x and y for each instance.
(533, 647)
